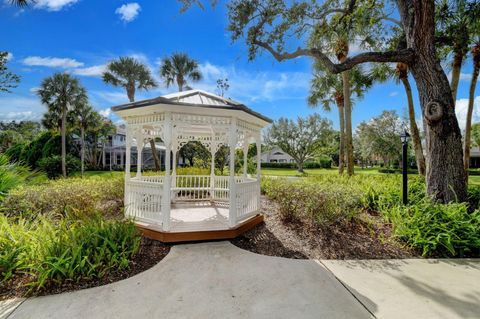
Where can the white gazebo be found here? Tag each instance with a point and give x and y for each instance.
(173, 207)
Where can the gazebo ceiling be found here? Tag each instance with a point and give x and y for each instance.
(192, 101)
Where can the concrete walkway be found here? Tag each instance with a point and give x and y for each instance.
(219, 280)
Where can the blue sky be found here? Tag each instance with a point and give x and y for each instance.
(81, 36)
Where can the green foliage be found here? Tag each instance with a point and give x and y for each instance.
(33, 152)
(319, 203)
(53, 252)
(11, 175)
(438, 229)
(301, 138)
(14, 152)
(75, 197)
(52, 165)
(8, 80)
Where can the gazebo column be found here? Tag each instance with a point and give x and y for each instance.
(245, 158)
(232, 218)
(167, 181)
(128, 145)
(139, 138)
(258, 143)
(174, 166)
(259, 155)
(213, 148)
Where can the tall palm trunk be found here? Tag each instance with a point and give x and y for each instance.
(471, 99)
(64, 142)
(402, 72)
(82, 152)
(456, 68)
(341, 118)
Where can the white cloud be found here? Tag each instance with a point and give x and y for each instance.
(128, 12)
(249, 87)
(52, 62)
(14, 107)
(96, 70)
(394, 93)
(463, 76)
(53, 5)
(461, 111)
(105, 112)
(34, 89)
(9, 56)
(111, 97)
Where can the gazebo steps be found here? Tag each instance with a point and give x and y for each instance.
(186, 235)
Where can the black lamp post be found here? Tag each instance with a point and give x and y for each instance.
(405, 137)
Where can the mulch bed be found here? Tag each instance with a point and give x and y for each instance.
(149, 254)
(367, 237)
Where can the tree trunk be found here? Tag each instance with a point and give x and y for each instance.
(82, 152)
(64, 142)
(300, 167)
(341, 153)
(471, 100)
(348, 122)
(416, 141)
(131, 92)
(154, 154)
(456, 67)
(445, 175)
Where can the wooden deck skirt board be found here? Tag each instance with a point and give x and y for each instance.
(172, 237)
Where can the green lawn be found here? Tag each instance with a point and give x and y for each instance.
(313, 171)
(474, 180)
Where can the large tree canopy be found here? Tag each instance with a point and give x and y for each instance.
(301, 138)
(288, 30)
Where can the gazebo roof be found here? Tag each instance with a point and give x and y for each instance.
(193, 98)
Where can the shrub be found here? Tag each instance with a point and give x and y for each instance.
(322, 205)
(11, 175)
(73, 196)
(14, 152)
(55, 251)
(52, 166)
(438, 229)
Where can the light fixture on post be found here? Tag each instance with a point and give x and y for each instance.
(405, 137)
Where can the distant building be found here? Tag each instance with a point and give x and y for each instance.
(475, 157)
(114, 155)
(276, 155)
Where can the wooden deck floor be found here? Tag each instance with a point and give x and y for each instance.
(198, 222)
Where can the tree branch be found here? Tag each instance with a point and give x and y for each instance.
(405, 56)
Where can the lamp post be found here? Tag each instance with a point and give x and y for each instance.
(405, 137)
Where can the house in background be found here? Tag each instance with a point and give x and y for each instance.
(475, 157)
(115, 150)
(276, 155)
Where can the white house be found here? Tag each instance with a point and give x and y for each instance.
(276, 155)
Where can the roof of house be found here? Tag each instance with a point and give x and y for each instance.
(194, 98)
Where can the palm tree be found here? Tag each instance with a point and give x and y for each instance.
(86, 117)
(62, 92)
(401, 72)
(471, 97)
(327, 88)
(131, 74)
(178, 69)
(21, 3)
(383, 72)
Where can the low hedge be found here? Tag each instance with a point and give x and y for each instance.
(324, 163)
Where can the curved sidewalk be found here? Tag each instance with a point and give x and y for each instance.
(209, 280)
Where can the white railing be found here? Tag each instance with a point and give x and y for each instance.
(191, 187)
(151, 178)
(143, 200)
(248, 198)
(143, 194)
